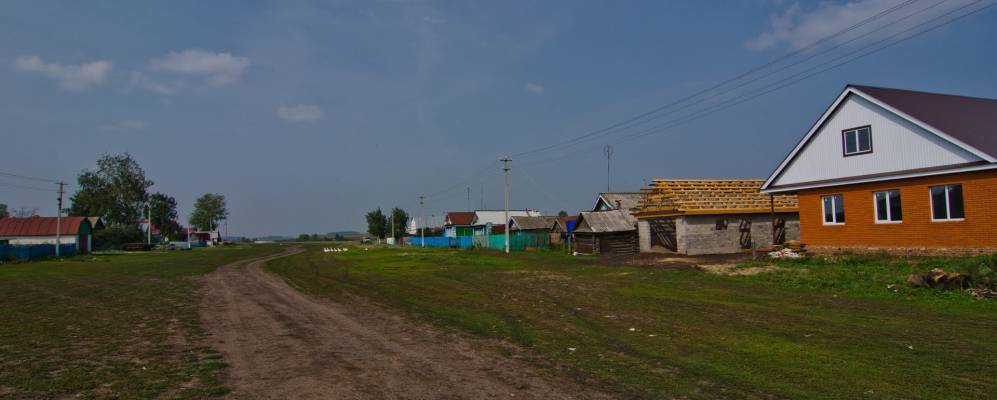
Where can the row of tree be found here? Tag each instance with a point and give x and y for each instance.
(382, 226)
(118, 191)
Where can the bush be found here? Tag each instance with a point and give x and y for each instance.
(984, 272)
(114, 237)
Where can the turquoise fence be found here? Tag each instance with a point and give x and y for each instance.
(34, 251)
(459, 242)
(516, 242)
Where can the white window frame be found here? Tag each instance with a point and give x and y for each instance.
(823, 210)
(889, 213)
(858, 148)
(948, 207)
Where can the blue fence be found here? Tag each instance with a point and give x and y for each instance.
(516, 242)
(34, 251)
(460, 242)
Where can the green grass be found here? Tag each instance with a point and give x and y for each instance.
(815, 329)
(110, 326)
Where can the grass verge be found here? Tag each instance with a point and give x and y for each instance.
(821, 330)
(110, 326)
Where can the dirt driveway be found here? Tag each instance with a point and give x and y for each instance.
(282, 344)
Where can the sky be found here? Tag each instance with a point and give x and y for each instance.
(306, 115)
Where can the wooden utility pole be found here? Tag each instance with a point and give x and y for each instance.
(58, 222)
(609, 154)
(505, 168)
(148, 218)
(422, 231)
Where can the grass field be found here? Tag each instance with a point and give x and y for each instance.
(109, 326)
(844, 329)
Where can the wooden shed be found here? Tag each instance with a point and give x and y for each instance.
(606, 232)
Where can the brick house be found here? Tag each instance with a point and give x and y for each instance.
(889, 168)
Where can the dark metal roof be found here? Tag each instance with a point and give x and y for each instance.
(40, 226)
(460, 217)
(971, 120)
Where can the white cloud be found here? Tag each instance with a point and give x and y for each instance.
(70, 77)
(123, 126)
(535, 88)
(143, 81)
(797, 28)
(300, 113)
(219, 68)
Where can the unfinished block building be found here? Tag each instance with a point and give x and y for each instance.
(714, 216)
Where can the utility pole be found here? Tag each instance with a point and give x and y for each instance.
(609, 154)
(148, 218)
(505, 168)
(482, 196)
(422, 232)
(468, 198)
(58, 222)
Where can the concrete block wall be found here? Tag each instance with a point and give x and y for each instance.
(698, 234)
(644, 234)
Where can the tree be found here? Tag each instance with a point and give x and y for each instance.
(376, 222)
(163, 208)
(3, 211)
(398, 217)
(116, 191)
(304, 237)
(562, 213)
(209, 209)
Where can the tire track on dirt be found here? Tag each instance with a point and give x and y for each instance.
(283, 344)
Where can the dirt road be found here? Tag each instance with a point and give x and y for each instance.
(283, 344)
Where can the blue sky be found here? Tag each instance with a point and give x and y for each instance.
(308, 114)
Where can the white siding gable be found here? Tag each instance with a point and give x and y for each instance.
(897, 144)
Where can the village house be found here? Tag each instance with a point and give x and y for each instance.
(605, 232)
(458, 223)
(74, 231)
(890, 168)
(562, 228)
(534, 225)
(627, 201)
(488, 222)
(714, 216)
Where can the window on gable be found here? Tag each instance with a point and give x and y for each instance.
(834, 209)
(946, 203)
(887, 204)
(857, 140)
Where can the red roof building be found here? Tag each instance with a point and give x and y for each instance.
(44, 230)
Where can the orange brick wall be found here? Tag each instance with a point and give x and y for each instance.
(978, 230)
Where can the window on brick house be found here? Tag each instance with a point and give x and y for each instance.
(946, 203)
(834, 209)
(887, 205)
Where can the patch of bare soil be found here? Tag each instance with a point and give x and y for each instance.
(282, 344)
(732, 269)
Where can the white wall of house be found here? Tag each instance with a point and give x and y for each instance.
(897, 144)
(26, 240)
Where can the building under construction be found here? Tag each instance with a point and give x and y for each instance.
(714, 216)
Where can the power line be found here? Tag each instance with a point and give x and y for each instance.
(793, 79)
(30, 178)
(27, 187)
(725, 82)
(659, 114)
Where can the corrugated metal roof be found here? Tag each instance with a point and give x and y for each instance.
(497, 217)
(40, 226)
(531, 223)
(460, 218)
(712, 196)
(621, 200)
(606, 221)
(971, 120)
